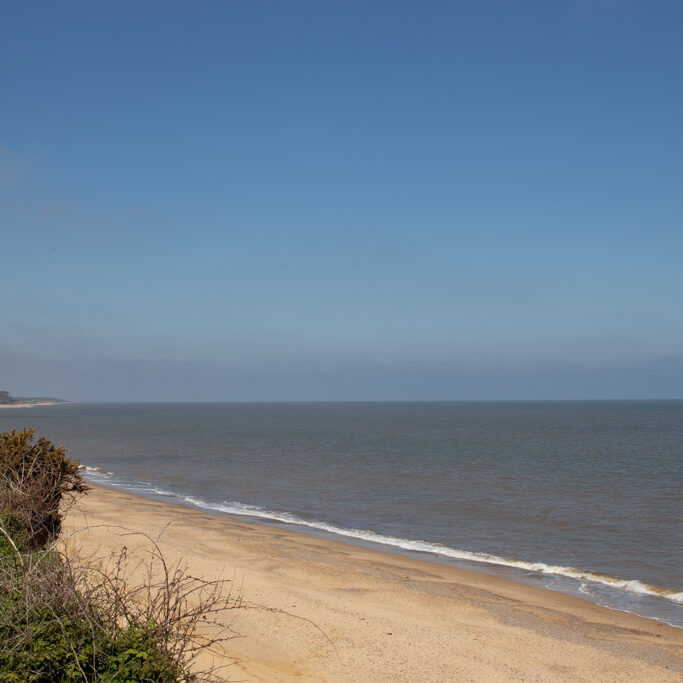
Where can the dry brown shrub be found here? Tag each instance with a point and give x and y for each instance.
(93, 601)
(36, 480)
(66, 616)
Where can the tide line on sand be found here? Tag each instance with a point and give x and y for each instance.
(632, 586)
(322, 609)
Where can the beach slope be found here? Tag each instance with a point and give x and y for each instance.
(318, 609)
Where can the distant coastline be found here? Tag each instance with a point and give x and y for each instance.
(31, 404)
(7, 401)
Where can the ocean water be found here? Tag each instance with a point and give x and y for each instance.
(582, 497)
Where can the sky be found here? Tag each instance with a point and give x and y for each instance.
(318, 200)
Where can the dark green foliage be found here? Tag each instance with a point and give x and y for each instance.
(67, 650)
(13, 535)
(50, 630)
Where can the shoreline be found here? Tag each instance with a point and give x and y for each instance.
(32, 405)
(662, 604)
(383, 610)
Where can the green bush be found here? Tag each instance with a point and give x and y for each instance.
(68, 650)
(53, 630)
(13, 536)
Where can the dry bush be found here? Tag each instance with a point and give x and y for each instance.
(36, 479)
(186, 614)
(67, 617)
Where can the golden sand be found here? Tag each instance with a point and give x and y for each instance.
(339, 612)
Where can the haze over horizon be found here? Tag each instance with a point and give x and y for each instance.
(341, 201)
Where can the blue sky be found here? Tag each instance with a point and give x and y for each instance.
(341, 200)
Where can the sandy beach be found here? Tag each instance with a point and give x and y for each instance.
(318, 609)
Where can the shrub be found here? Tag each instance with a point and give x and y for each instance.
(50, 631)
(34, 477)
(68, 618)
(65, 618)
(13, 537)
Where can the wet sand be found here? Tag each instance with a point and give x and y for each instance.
(322, 610)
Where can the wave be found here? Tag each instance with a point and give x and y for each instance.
(632, 586)
(628, 585)
(88, 468)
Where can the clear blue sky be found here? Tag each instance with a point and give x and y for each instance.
(341, 200)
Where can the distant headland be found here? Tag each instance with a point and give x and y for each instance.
(7, 401)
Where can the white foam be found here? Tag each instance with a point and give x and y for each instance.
(235, 508)
(631, 586)
(96, 470)
(676, 597)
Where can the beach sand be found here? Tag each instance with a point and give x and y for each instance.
(323, 610)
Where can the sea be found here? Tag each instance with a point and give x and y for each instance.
(583, 497)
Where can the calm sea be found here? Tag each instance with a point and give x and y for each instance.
(582, 497)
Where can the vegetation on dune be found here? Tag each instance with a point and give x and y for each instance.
(35, 477)
(65, 618)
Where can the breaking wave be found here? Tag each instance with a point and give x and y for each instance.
(632, 586)
(628, 585)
